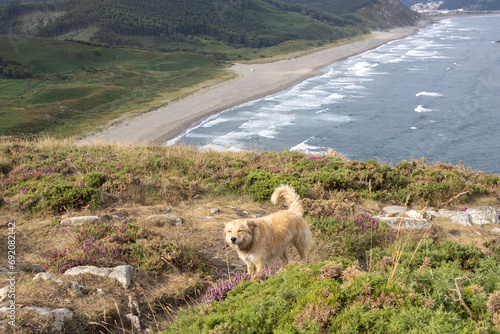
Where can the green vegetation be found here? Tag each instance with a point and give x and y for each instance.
(57, 178)
(361, 276)
(66, 88)
(86, 78)
(337, 297)
(247, 23)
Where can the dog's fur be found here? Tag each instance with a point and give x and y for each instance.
(262, 240)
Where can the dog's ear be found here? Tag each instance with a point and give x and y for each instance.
(251, 224)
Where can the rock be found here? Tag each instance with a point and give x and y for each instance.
(406, 223)
(78, 221)
(122, 274)
(3, 293)
(60, 315)
(393, 210)
(496, 230)
(171, 219)
(214, 211)
(134, 320)
(457, 217)
(51, 277)
(43, 277)
(427, 214)
(29, 267)
(483, 215)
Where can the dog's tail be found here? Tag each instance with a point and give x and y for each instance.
(290, 196)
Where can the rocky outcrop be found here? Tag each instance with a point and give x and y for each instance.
(169, 219)
(398, 217)
(457, 217)
(60, 316)
(79, 221)
(483, 215)
(122, 274)
(43, 277)
(390, 13)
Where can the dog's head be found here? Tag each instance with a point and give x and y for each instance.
(239, 233)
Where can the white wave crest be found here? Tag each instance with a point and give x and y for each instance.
(421, 108)
(429, 94)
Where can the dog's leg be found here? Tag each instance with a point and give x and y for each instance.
(259, 266)
(300, 244)
(284, 260)
(251, 268)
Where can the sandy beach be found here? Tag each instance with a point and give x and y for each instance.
(252, 82)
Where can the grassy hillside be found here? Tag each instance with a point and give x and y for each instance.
(73, 88)
(68, 88)
(361, 276)
(79, 82)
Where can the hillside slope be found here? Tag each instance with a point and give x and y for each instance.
(376, 14)
(248, 23)
(360, 274)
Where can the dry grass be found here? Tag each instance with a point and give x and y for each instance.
(160, 294)
(476, 235)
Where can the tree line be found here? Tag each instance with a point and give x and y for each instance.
(11, 69)
(335, 7)
(234, 22)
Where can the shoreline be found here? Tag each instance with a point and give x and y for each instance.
(253, 81)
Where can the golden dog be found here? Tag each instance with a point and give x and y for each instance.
(260, 241)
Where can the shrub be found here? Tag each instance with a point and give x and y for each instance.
(59, 198)
(354, 237)
(95, 179)
(100, 245)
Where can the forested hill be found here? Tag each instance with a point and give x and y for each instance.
(248, 23)
(373, 13)
(252, 23)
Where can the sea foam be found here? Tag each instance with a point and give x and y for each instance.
(429, 94)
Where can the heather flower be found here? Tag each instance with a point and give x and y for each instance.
(219, 291)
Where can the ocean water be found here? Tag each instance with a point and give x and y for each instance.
(435, 94)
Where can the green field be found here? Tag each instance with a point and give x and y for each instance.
(76, 88)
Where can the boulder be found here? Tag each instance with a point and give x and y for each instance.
(42, 277)
(3, 293)
(457, 217)
(483, 215)
(496, 230)
(418, 214)
(134, 320)
(393, 210)
(79, 221)
(60, 315)
(214, 211)
(122, 274)
(406, 223)
(171, 219)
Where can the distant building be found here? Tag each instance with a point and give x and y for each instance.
(432, 8)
